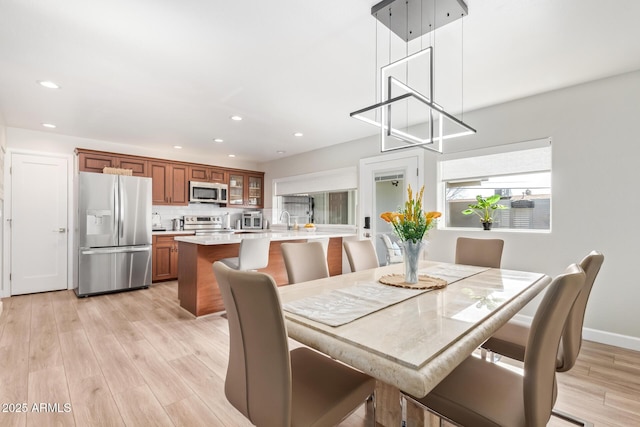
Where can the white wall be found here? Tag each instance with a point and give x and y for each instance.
(332, 157)
(49, 142)
(594, 127)
(595, 156)
(3, 145)
(3, 150)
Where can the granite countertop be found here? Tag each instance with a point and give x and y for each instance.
(226, 238)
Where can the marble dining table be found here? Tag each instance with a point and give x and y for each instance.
(407, 339)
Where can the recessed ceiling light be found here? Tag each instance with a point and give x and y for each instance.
(232, 155)
(177, 147)
(48, 84)
(280, 152)
(236, 118)
(298, 134)
(49, 125)
(218, 140)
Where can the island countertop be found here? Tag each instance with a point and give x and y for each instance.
(198, 290)
(274, 236)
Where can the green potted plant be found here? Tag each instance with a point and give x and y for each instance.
(484, 209)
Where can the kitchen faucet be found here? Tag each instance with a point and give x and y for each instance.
(288, 219)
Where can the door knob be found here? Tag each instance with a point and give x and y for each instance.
(60, 230)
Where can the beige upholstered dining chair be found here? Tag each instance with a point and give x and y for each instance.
(479, 393)
(304, 261)
(511, 339)
(361, 254)
(479, 252)
(267, 383)
(253, 255)
(394, 252)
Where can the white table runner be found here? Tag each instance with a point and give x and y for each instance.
(341, 306)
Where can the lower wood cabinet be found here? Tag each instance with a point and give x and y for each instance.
(165, 258)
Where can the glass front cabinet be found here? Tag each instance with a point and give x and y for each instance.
(236, 189)
(246, 189)
(256, 190)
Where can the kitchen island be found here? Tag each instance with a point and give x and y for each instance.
(197, 286)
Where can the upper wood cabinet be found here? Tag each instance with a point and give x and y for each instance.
(206, 174)
(236, 189)
(170, 183)
(246, 189)
(255, 190)
(171, 179)
(95, 162)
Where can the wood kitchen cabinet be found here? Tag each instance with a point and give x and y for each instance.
(170, 183)
(255, 190)
(171, 179)
(165, 258)
(236, 189)
(246, 189)
(205, 174)
(90, 161)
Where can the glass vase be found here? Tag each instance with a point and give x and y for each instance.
(412, 251)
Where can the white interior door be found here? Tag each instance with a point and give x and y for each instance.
(39, 223)
(409, 163)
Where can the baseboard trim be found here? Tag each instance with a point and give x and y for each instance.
(610, 338)
(602, 337)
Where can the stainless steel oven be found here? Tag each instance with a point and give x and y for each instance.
(206, 225)
(208, 192)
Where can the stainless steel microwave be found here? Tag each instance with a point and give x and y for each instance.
(208, 192)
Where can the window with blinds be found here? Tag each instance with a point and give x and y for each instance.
(520, 173)
(327, 197)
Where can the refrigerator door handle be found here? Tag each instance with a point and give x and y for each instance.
(121, 205)
(116, 211)
(117, 250)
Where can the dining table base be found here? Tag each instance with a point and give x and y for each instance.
(389, 410)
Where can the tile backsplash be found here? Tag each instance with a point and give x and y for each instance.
(167, 213)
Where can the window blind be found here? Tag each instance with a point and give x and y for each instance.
(333, 180)
(515, 159)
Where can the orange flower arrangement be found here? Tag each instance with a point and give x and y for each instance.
(411, 223)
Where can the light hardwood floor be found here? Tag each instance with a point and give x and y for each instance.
(138, 359)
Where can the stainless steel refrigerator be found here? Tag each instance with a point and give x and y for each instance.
(113, 233)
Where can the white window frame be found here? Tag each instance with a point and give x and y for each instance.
(516, 158)
(342, 179)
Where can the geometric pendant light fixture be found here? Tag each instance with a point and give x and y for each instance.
(406, 112)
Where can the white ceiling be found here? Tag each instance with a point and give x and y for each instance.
(160, 73)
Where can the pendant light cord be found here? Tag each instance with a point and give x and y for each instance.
(433, 47)
(375, 68)
(462, 68)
